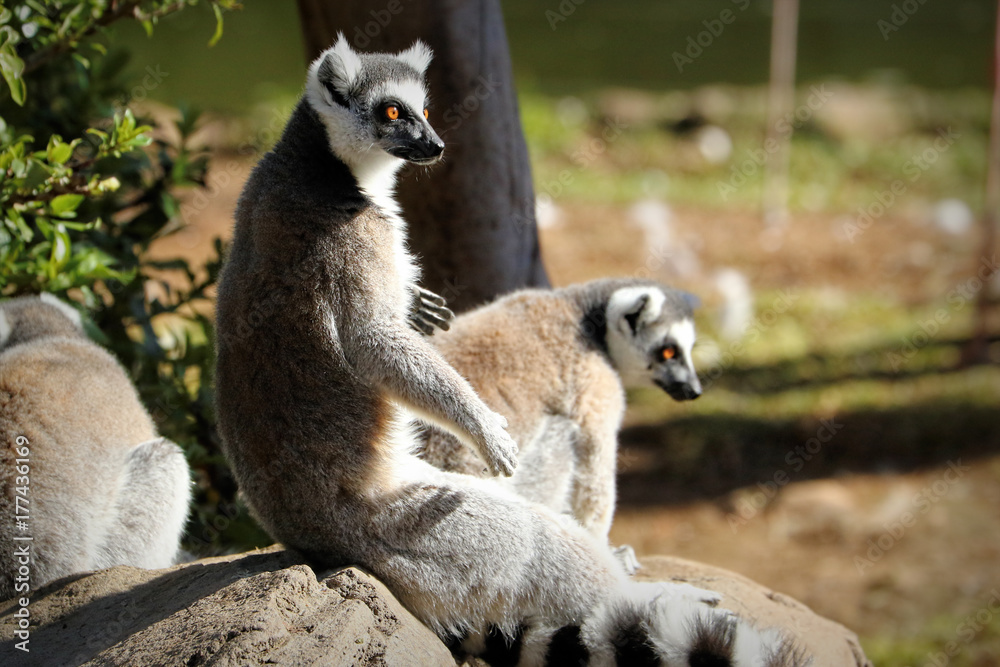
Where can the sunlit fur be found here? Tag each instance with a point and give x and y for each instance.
(103, 488)
(316, 361)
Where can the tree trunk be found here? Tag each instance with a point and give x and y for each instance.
(472, 216)
(977, 350)
(780, 102)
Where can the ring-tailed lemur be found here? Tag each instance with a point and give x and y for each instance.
(554, 362)
(80, 455)
(318, 376)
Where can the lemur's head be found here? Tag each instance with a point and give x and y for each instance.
(374, 105)
(29, 317)
(650, 333)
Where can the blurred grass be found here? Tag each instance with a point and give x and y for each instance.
(839, 159)
(944, 45)
(815, 362)
(955, 634)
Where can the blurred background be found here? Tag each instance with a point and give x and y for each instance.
(847, 448)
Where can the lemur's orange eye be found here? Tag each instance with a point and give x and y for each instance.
(392, 112)
(427, 113)
(669, 352)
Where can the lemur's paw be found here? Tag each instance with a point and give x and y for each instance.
(687, 592)
(498, 449)
(626, 556)
(672, 592)
(428, 311)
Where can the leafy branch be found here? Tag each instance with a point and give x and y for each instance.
(58, 27)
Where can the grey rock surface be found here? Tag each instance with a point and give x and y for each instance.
(259, 608)
(268, 607)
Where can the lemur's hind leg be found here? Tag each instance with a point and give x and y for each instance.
(547, 464)
(465, 556)
(151, 509)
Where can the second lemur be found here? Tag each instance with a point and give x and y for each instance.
(556, 362)
(319, 368)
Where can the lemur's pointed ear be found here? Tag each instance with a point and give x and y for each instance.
(634, 313)
(69, 311)
(691, 300)
(5, 329)
(417, 56)
(337, 69)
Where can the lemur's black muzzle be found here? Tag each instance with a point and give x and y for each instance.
(424, 149)
(681, 384)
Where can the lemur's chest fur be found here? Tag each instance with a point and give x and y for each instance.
(378, 183)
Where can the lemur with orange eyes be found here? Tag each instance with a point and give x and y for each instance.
(318, 367)
(555, 363)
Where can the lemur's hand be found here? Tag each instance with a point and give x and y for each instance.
(626, 556)
(428, 310)
(496, 446)
(675, 591)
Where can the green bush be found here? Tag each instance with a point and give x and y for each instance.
(85, 188)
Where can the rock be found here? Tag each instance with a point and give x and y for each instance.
(269, 607)
(263, 607)
(830, 644)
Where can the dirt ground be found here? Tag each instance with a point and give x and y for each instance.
(834, 540)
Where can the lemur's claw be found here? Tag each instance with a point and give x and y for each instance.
(430, 296)
(428, 311)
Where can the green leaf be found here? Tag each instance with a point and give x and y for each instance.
(68, 21)
(81, 226)
(61, 246)
(18, 89)
(26, 233)
(169, 205)
(58, 152)
(64, 205)
(36, 173)
(11, 66)
(218, 26)
(8, 37)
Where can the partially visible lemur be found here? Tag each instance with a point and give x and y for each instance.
(98, 485)
(316, 362)
(554, 362)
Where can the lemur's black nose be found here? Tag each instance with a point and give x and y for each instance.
(434, 148)
(682, 391)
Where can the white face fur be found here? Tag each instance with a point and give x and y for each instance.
(650, 338)
(373, 106)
